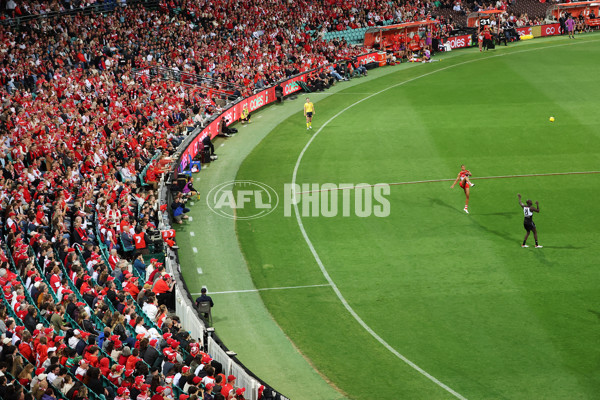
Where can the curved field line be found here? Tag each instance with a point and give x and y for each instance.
(314, 251)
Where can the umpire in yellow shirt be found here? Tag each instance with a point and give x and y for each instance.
(309, 111)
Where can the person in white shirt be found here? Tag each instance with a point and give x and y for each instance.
(151, 308)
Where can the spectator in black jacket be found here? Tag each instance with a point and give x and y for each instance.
(149, 353)
(204, 297)
(111, 294)
(71, 306)
(30, 319)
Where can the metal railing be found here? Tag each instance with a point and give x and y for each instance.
(203, 81)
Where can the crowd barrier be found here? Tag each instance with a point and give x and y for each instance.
(185, 309)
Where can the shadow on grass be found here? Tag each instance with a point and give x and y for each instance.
(596, 313)
(482, 227)
(438, 202)
(507, 214)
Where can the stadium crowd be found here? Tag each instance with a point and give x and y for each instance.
(88, 125)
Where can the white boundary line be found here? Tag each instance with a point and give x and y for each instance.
(314, 251)
(263, 289)
(451, 180)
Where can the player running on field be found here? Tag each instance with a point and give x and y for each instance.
(309, 111)
(528, 224)
(465, 184)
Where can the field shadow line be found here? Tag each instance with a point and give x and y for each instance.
(596, 313)
(502, 235)
(442, 203)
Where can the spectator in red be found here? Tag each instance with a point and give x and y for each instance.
(164, 288)
(25, 347)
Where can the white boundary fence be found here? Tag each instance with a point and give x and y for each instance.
(187, 313)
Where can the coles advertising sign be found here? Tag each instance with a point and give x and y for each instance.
(551, 29)
(526, 30)
(456, 42)
(367, 58)
(292, 85)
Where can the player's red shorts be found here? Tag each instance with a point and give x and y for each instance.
(463, 183)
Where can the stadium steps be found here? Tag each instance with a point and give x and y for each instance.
(450, 15)
(533, 8)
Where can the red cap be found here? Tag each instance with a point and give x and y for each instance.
(240, 391)
(120, 367)
(160, 389)
(210, 385)
(153, 342)
(128, 372)
(167, 335)
(197, 380)
(122, 390)
(184, 396)
(48, 331)
(185, 369)
(39, 371)
(174, 344)
(230, 378)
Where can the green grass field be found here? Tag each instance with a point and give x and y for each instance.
(454, 293)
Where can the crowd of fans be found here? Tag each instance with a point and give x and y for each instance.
(87, 127)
